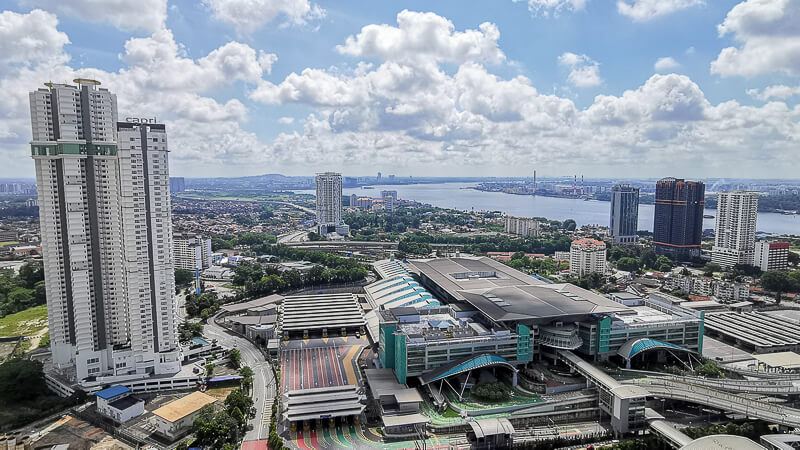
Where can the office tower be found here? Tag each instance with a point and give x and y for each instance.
(522, 226)
(329, 204)
(678, 222)
(90, 230)
(392, 194)
(771, 255)
(191, 252)
(177, 184)
(735, 238)
(587, 256)
(624, 214)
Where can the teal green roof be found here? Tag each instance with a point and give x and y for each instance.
(636, 346)
(465, 365)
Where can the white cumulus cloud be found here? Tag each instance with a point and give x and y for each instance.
(31, 38)
(156, 79)
(665, 64)
(248, 16)
(780, 91)
(554, 7)
(424, 37)
(769, 34)
(441, 111)
(644, 10)
(584, 71)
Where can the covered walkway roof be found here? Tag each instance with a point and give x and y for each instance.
(465, 365)
(484, 428)
(252, 304)
(323, 403)
(321, 311)
(636, 346)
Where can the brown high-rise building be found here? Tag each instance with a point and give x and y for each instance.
(678, 223)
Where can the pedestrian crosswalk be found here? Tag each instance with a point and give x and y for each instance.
(267, 411)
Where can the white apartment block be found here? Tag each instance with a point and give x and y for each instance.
(91, 232)
(771, 255)
(329, 204)
(728, 291)
(522, 226)
(388, 203)
(587, 256)
(192, 252)
(704, 287)
(735, 239)
(731, 291)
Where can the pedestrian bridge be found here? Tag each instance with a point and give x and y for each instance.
(715, 398)
(615, 400)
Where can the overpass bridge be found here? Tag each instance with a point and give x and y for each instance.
(627, 410)
(345, 245)
(715, 398)
(765, 387)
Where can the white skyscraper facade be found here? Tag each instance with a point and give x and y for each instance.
(329, 204)
(735, 238)
(94, 224)
(147, 227)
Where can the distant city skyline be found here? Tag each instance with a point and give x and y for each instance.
(602, 89)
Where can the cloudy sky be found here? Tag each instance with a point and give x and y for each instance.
(686, 88)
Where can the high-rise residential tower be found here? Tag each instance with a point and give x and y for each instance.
(735, 238)
(97, 214)
(678, 222)
(329, 204)
(587, 256)
(624, 214)
(147, 227)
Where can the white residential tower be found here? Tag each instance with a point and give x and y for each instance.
(735, 239)
(106, 235)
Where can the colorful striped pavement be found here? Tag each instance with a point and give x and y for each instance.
(319, 367)
(353, 437)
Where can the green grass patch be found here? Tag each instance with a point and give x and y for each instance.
(3, 244)
(24, 323)
(450, 413)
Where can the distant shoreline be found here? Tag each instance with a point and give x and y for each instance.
(646, 202)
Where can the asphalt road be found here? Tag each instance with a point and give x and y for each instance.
(263, 381)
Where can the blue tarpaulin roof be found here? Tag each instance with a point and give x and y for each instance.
(113, 391)
(225, 378)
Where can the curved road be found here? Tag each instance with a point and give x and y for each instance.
(263, 381)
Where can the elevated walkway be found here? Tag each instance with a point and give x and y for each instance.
(674, 437)
(765, 387)
(624, 405)
(726, 401)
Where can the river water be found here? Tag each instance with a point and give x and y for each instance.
(458, 196)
